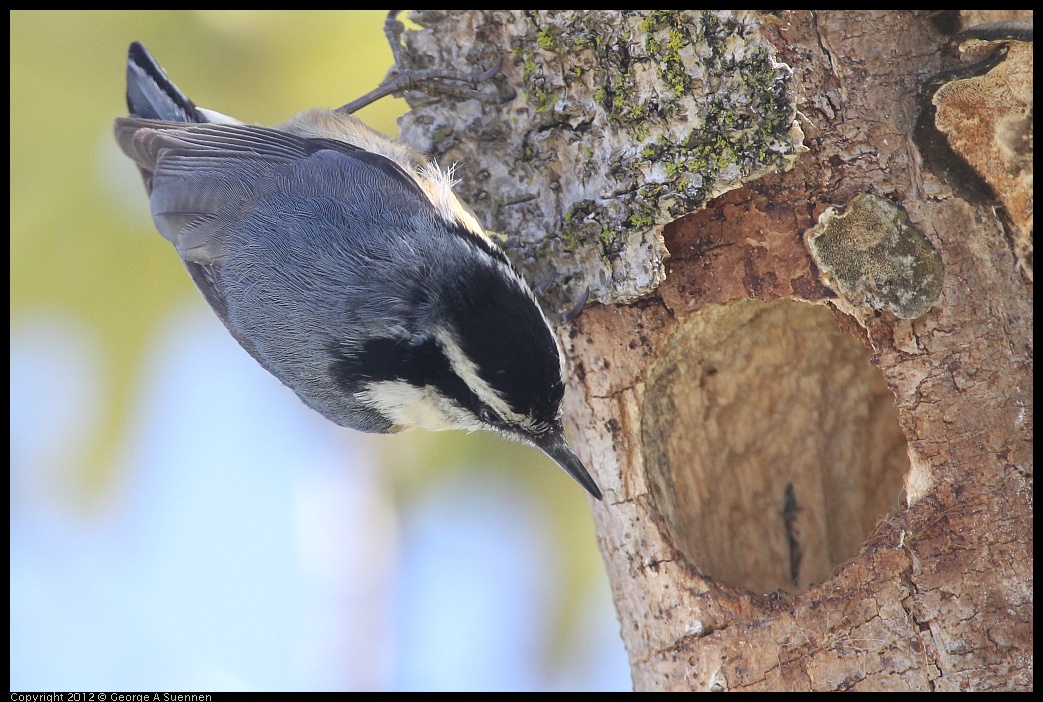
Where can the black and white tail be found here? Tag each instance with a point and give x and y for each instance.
(151, 95)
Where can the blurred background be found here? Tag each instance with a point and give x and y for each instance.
(179, 520)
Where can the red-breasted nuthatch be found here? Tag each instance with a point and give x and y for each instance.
(341, 260)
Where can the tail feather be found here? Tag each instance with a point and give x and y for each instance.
(150, 94)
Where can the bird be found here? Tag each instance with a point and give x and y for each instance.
(342, 261)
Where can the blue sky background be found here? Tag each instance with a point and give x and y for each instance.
(257, 547)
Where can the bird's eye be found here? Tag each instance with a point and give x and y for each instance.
(488, 416)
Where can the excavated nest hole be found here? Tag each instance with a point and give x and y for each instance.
(771, 443)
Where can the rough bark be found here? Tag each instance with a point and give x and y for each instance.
(805, 381)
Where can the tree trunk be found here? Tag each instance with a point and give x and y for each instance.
(804, 379)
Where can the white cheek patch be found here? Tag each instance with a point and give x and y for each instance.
(410, 407)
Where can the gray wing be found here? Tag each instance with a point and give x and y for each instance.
(284, 235)
(202, 177)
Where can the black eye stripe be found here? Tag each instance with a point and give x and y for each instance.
(500, 329)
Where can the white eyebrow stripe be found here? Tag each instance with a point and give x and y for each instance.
(465, 368)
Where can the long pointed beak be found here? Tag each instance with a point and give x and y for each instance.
(554, 445)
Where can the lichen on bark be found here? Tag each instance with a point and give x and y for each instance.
(621, 122)
(875, 257)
